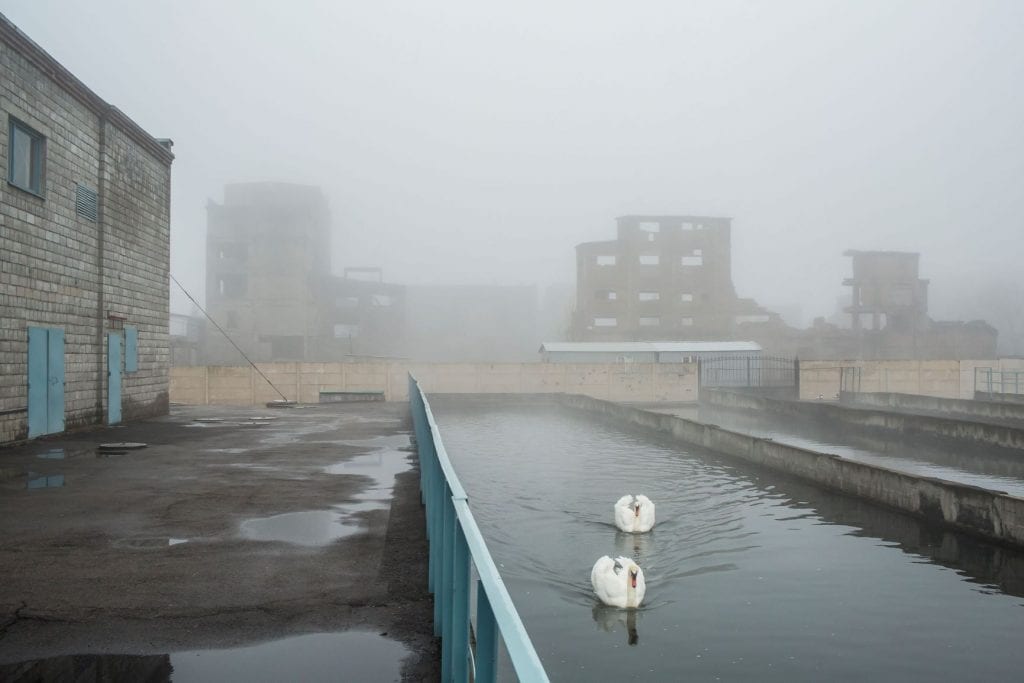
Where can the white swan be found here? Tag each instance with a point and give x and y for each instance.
(634, 514)
(618, 582)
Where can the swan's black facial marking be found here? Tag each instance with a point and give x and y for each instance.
(632, 577)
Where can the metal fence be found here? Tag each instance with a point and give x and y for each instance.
(989, 381)
(456, 545)
(749, 371)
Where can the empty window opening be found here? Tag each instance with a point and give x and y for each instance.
(605, 322)
(346, 331)
(382, 300)
(347, 302)
(605, 260)
(232, 285)
(650, 321)
(650, 296)
(233, 252)
(650, 226)
(694, 259)
(686, 297)
(686, 321)
(606, 295)
(687, 225)
(649, 259)
(740, 319)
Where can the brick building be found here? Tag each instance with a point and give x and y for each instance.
(85, 232)
(663, 278)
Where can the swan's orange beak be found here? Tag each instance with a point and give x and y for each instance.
(636, 509)
(632, 577)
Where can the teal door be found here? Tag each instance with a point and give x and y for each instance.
(113, 378)
(45, 381)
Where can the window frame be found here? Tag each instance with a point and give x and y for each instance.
(37, 153)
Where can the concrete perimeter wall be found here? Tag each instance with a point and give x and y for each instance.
(639, 382)
(958, 408)
(940, 378)
(902, 424)
(986, 513)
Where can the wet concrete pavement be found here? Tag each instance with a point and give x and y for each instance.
(232, 527)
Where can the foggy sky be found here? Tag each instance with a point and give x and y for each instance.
(470, 142)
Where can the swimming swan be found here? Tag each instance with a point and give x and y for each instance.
(618, 582)
(634, 514)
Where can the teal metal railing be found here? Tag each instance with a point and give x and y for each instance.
(455, 542)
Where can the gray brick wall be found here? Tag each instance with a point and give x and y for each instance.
(50, 260)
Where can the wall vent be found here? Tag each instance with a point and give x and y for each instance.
(86, 202)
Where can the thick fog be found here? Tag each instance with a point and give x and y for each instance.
(467, 142)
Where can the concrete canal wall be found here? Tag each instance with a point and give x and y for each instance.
(243, 386)
(940, 378)
(990, 514)
(958, 408)
(902, 424)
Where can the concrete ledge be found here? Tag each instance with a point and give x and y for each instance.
(903, 424)
(957, 408)
(990, 514)
(349, 396)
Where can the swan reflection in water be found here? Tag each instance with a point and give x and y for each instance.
(609, 619)
(635, 546)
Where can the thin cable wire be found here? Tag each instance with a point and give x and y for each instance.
(190, 298)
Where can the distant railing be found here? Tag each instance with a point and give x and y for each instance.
(455, 540)
(989, 381)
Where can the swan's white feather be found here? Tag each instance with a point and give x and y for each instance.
(611, 582)
(626, 518)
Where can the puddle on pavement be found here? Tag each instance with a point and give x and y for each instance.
(350, 656)
(393, 441)
(52, 454)
(232, 451)
(320, 527)
(311, 528)
(48, 482)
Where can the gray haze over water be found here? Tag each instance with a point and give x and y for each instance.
(464, 142)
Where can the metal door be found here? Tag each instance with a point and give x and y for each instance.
(45, 380)
(55, 381)
(113, 378)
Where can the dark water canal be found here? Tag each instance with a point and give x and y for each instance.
(750, 575)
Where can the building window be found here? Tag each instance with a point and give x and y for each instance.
(686, 322)
(649, 259)
(25, 158)
(605, 322)
(686, 297)
(233, 251)
(651, 321)
(605, 260)
(650, 226)
(232, 285)
(741, 319)
(650, 296)
(695, 259)
(606, 295)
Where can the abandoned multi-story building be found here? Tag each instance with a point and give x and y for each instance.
(85, 227)
(267, 248)
(663, 278)
(269, 284)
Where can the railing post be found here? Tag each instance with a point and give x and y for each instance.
(486, 638)
(460, 608)
(448, 538)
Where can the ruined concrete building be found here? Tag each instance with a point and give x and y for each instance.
(663, 278)
(887, 292)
